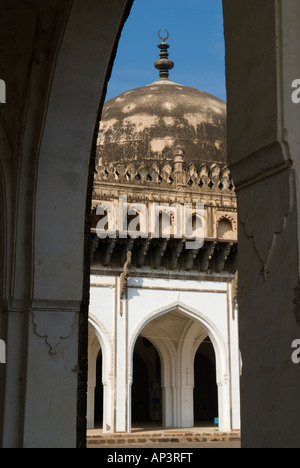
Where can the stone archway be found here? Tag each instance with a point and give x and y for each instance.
(177, 334)
(100, 377)
(93, 354)
(205, 385)
(146, 403)
(46, 149)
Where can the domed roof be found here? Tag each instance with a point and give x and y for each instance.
(147, 123)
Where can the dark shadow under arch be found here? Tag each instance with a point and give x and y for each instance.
(146, 387)
(99, 391)
(205, 389)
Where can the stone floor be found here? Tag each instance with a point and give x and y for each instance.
(147, 436)
(171, 446)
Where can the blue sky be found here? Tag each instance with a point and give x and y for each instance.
(196, 40)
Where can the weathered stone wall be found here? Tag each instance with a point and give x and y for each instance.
(262, 50)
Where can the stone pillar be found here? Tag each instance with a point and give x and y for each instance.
(167, 390)
(235, 359)
(262, 59)
(224, 405)
(123, 388)
(45, 189)
(108, 405)
(51, 370)
(185, 393)
(186, 407)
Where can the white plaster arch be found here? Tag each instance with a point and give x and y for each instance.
(106, 346)
(167, 355)
(194, 337)
(212, 331)
(220, 349)
(105, 343)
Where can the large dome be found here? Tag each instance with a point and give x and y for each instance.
(146, 124)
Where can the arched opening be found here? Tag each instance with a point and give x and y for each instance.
(193, 360)
(146, 386)
(95, 404)
(225, 229)
(98, 412)
(100, 409)
(205, 389)
(177, 366)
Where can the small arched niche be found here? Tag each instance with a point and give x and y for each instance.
(225, 229)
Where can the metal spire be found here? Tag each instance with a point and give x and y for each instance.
(164, 65)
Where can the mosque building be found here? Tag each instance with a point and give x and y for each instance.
(163, 321)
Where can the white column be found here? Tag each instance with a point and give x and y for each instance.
(224, 405)
(235, 369)
(185, 374)
(108, 406)
(186, 407)
(121, 402)
(51, 370)
(167, 407)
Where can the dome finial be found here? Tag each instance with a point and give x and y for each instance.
(163, 39)
(164, 64)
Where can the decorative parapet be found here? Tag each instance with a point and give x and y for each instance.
(207, 177)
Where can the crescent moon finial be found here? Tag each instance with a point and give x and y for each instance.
(164, 65)
(164, 39)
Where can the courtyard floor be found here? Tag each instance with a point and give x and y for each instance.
(148, 436)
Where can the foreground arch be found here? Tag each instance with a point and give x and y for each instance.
(44, 294)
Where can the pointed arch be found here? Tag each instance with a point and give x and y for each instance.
(212, 331)
(100, 341)
(177, 364)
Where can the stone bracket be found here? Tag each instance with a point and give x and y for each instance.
(53, 326)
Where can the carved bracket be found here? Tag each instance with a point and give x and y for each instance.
(53, 327)
(264, 210)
